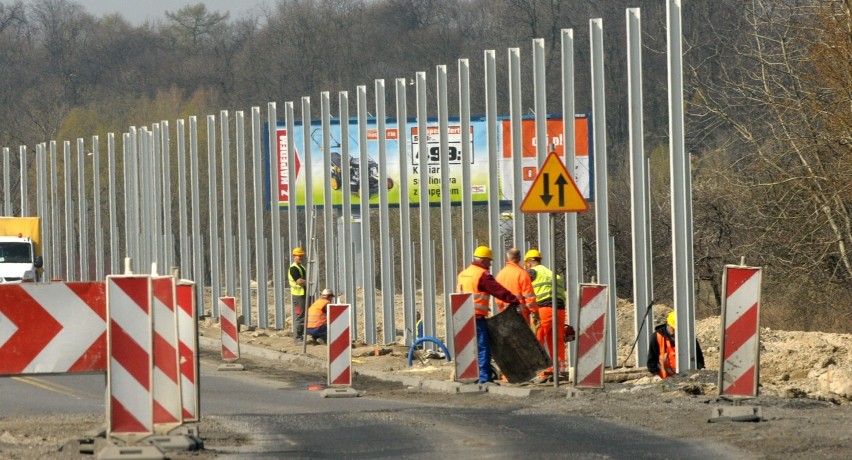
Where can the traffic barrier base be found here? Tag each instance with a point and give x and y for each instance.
(340, 392)
(231, 367)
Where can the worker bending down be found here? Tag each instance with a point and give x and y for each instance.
(317, 327)
(662, 353)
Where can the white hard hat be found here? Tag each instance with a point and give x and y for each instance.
(327, 291)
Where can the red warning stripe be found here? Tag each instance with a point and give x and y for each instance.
(591, 336)
(131, 355)
(35, 329)
(740, 331)
(743, 385)
(737, 277)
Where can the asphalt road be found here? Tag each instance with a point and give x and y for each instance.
(283, 419)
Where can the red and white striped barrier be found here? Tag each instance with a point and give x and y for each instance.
(230, 333)
(464, 336)
(166, 381)
(739, 370)
(188, 350)
(52, 328)
(339, 345)
(129, 342)
(591, 333)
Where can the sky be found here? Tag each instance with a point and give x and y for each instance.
(137, 11)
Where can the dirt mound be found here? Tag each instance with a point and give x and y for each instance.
(793, 364)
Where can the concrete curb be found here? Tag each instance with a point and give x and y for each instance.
(407, 380)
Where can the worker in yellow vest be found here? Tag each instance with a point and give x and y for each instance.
(296, 275)
(542, 282)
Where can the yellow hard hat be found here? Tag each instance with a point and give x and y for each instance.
(670, 320)
(298, 252)
(483, 252)
(532, 254)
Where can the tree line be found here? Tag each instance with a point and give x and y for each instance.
(767, 90)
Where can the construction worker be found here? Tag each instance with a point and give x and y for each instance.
(662, 354)
(514, 278)
(542, 282)
(317, 324)
(477, 280)
(296, 275)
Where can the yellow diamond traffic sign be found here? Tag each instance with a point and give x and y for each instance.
(554, 190)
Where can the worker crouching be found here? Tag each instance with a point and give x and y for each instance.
(662, 353)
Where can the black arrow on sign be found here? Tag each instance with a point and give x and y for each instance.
(546, 196)
(561, 183)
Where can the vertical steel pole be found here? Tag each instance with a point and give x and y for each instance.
(328, 204)
(572, 263)
(168, 231)
(183, 231)
(541, 149)
(56, 230)
(348, 258)
(408, 306)
(114, 248)
(292, 211)
(7, 181)
(25, 201)
(515, 117)
(227, 212)
(275, 214)
(388, 288)
(260, 243)
(638, 198)
(213, 216)
(83, 210)
(242, 212)
(681, 192)
(601, 187)
(197, 240)
(466, 154)
(426, 254)
(157, 209)
(41, 202)
(448, 260)
(310, 228)
(69, 215)
(96, 209)
(492, 127)
(368, 280)
(132, 177)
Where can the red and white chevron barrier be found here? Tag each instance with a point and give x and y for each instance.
(591, 333)
(739, 372)
(230, 333)
(339, 345)
(464, 337)
(166, 381)
(52, 328)
(129, 342)
(188, 350)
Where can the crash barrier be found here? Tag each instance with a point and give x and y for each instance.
(228, 322)
(166, 379)
(129, 342)
(591, 330)
(464, 336)
(188, 349)
(339, 345)
(52, 328)
(740, 351)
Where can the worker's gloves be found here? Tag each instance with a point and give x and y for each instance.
(535, 319)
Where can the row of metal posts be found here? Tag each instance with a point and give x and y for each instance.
(148, 195)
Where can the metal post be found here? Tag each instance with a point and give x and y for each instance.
(388, 288)
(446, 216)
(345, 186)
(168, 233)
(56, 230)
(515, 121)
(183, 232)
(426, 254)
(278, 261)
(260, 243)
(197, 241)
(572, 263)
(25, 198)
(328, 204)
(96, 210)
(7, 181)
(69, 215)
(542, 142)
(242, 212)
(467, 200)
(213, 216)
(114, 248)
(492, 128)
(366, 238)
(410, 329)
(292, 211)
(309, 193)
(227, 212)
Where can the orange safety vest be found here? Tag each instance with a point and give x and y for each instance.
(469, 282)
(316, 314)
(668, 356)
(517, 281)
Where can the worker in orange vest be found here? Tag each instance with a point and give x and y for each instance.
(477, 280)
(662, 353)
(317, 327)
(542, 282)
(514, 278)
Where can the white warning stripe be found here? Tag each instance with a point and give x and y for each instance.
(742, 299)
(81, 327)
(590, 361)
(127, 390)
(134, 321)
(742, 360)
(7, 328)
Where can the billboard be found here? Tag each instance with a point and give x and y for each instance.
(479, 165)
